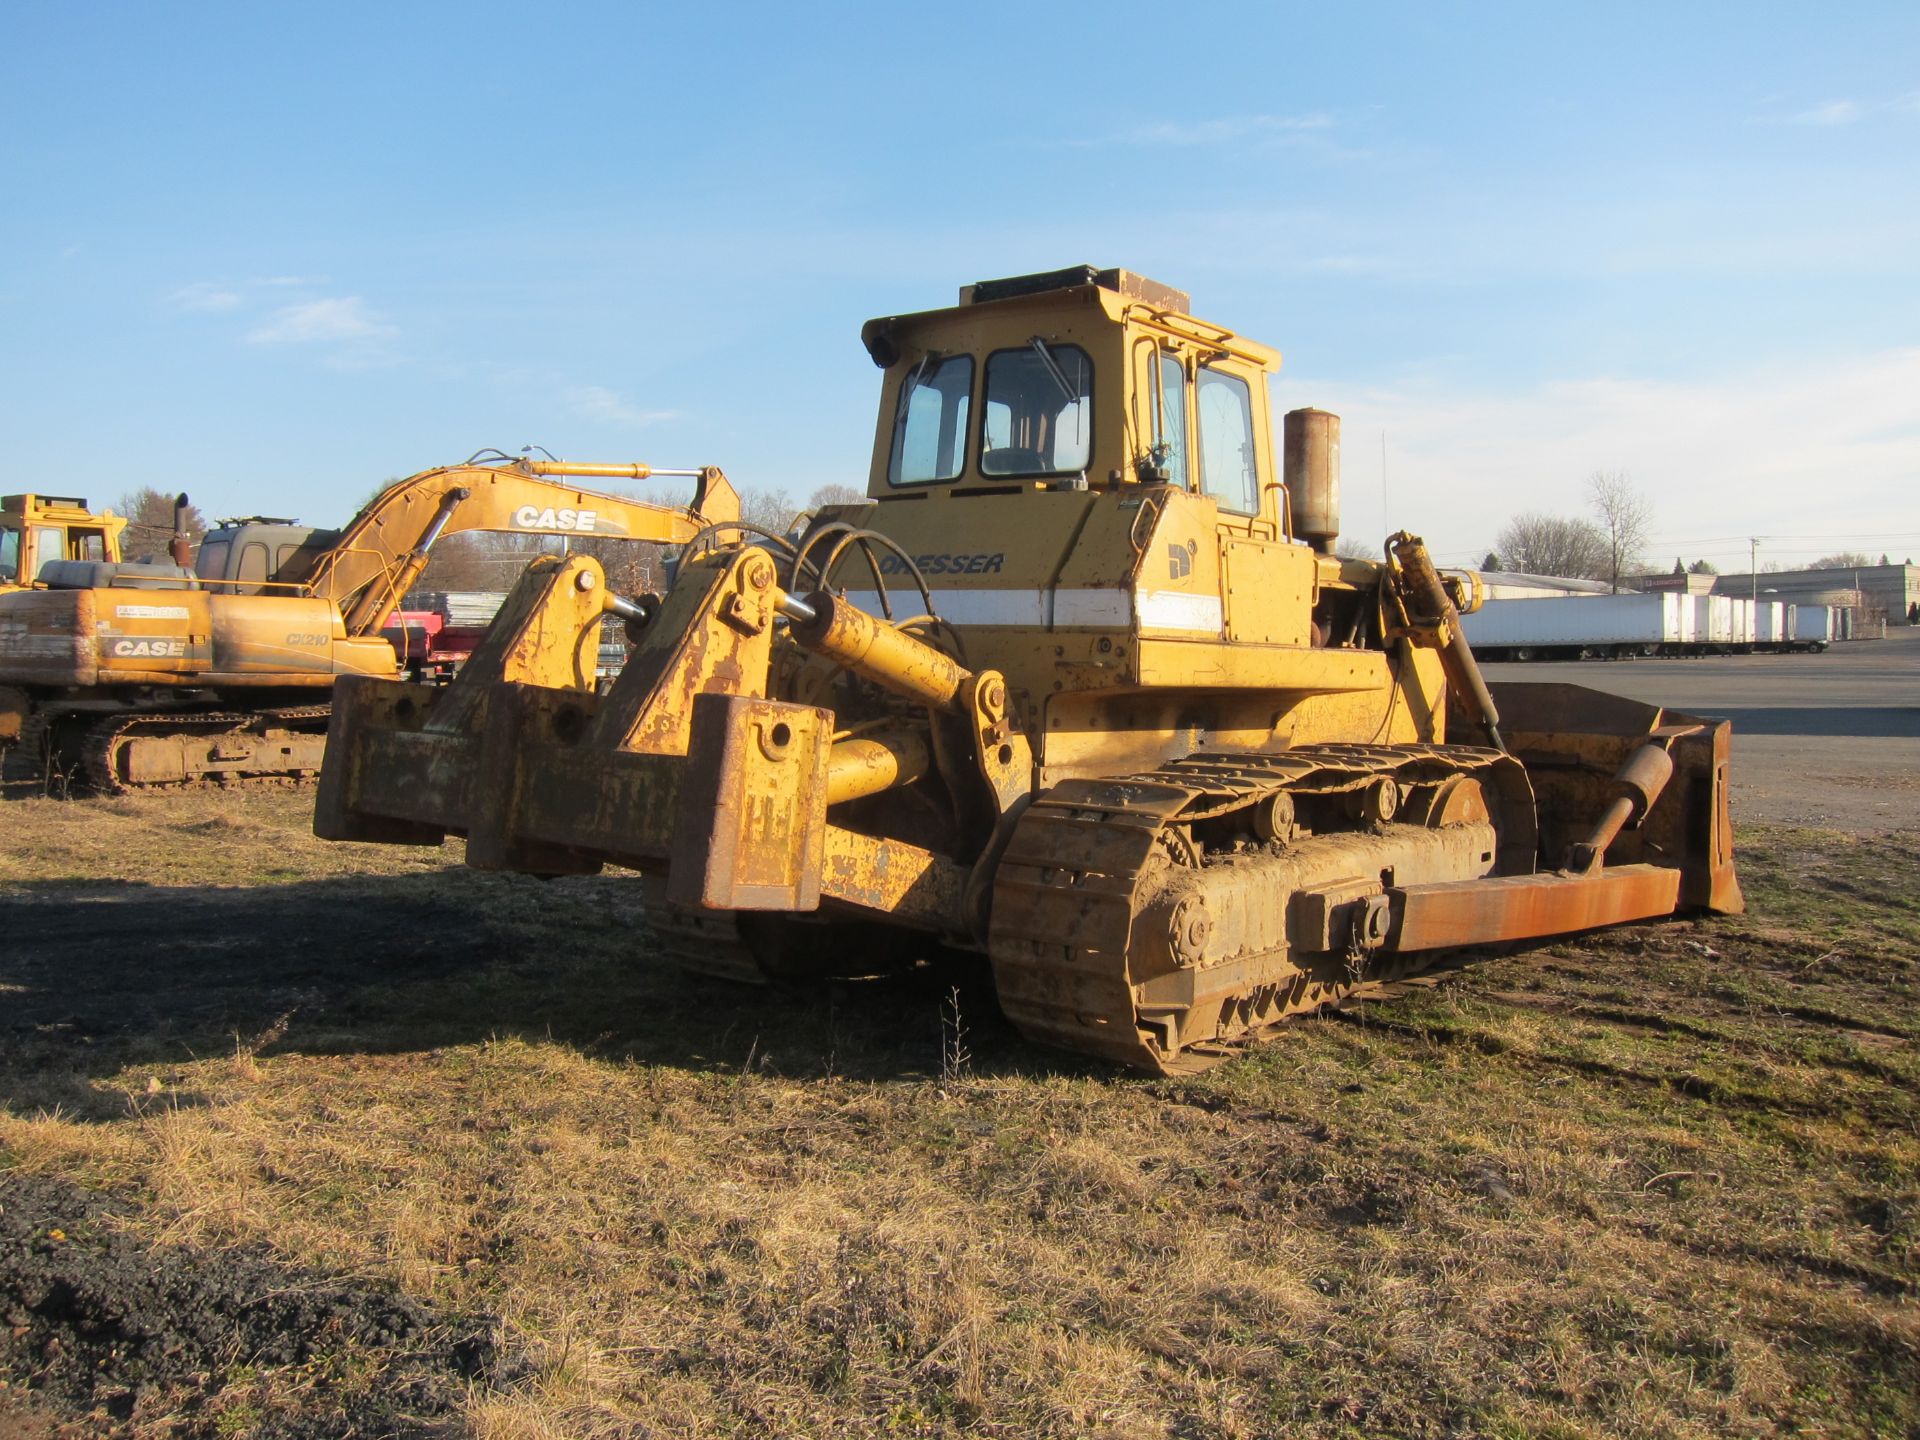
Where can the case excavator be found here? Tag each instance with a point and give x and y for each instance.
(1082, 686)
(122, 676)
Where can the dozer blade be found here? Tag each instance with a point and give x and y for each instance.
(1574, 742)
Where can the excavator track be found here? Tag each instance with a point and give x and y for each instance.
(103, 767)
(24, 762)
(1089, 855)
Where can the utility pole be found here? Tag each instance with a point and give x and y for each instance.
(1753, 564)
(1385, 508)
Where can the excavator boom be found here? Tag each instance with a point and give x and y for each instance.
(384, 548)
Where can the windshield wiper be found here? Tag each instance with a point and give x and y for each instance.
(912, 383)
(1053, 368)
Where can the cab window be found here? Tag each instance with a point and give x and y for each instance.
(1038, 414)
(89, 545)
(49, 543)
(1226, 441)
(253, 564)
(1170, 420)
(9, 554)
(930, 422)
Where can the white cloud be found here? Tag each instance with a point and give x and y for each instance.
(1819, 449)
(321, 321)
(1833, 112)
(1849, 112)
(204, 295)
(1225, 130)
(596, 402)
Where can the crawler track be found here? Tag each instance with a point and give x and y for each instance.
(102, 766)
(705, 943)
(1090, 854)
(25, 761)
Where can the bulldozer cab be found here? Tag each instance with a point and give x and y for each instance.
(1075, 380)
(38, 529)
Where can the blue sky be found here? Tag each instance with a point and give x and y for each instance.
(275, 255)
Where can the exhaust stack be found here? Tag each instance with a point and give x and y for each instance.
(180, 547)
(1312, 473)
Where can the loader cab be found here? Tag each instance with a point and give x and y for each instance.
(261, 555)
(36, 530)
(1078, 379)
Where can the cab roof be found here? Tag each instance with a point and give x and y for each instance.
(1169, 307)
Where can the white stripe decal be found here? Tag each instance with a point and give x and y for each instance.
(962, 607)
(1180, 610)
(1101, 608)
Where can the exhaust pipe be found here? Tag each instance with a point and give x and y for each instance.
(1311, 460)
(180, 547)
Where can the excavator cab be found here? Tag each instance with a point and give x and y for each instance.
(261, 555)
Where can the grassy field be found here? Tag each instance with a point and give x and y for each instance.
(1660, 1182)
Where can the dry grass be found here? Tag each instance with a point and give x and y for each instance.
(192, 838)
(1663, 1182)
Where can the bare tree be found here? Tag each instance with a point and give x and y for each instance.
(480, 560)
(1553, 545)
(773, 509)
(633, 567)
(835, 495)
(1845, 560)
(149, 514)
(1624, 517)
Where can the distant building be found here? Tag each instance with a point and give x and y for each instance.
(1874, 590)
(1686, 584)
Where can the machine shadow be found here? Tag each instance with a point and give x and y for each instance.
(96, 978)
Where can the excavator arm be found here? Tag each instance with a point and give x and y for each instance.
(384, 548)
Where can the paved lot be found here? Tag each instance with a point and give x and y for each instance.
(1831, 739)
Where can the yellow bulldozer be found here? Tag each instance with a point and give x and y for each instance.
(122, 676)
(1081, 686)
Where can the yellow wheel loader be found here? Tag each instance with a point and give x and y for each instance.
(118, 676)
(1082, 686)
(38, 529)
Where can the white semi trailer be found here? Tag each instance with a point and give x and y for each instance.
(1613, 627)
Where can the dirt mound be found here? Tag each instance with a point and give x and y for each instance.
(96, 1322)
